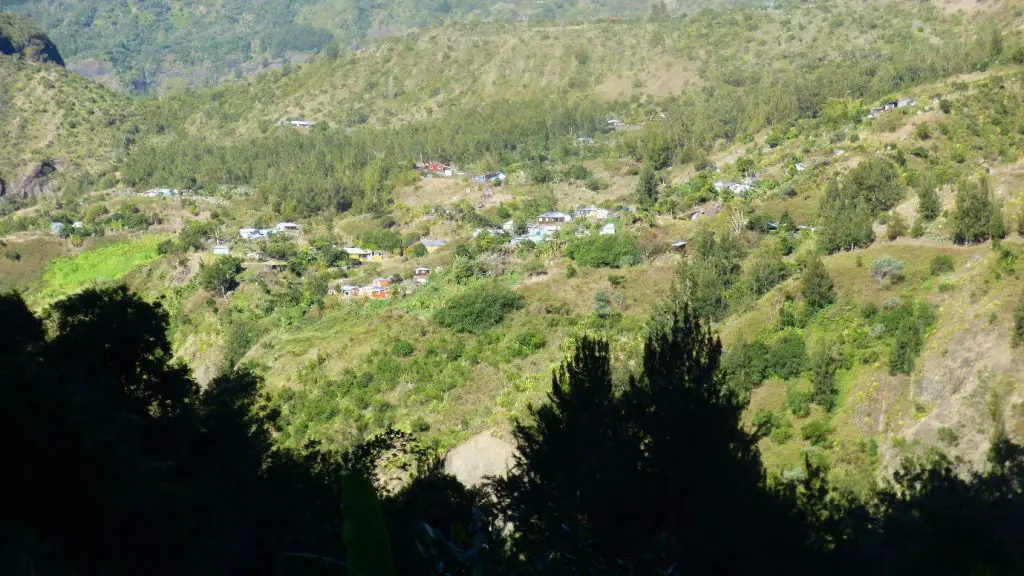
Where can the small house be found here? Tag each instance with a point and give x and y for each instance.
(438, 168)
(585, 140)
(221, 250)
(433, 245)
(277, 265)
(373, 292)
(364, 255)
(607, 230)
(253, 233)
(56, 227)
(302, 123)
(509, 226)
(381, 282)
(592, 212)
(679, 245)
(286, 227)
(554, 218)
(420, 275)
(78, 224)
(616, 123)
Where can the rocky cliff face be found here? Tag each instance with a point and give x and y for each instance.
(20, 36)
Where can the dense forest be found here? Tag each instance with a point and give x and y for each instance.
(125, 465)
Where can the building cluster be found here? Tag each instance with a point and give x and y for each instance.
(380, 289)
(890, 106)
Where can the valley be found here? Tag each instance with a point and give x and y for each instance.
(835, 187)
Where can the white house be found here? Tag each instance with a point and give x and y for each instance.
(509, 226)
(286, 227)
(554, 218)
(592, 212)
(253, 233)
(607, 229)
(221, 250)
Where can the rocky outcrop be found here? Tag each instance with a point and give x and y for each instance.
(481, 457)
(20, 36)
(35, 182)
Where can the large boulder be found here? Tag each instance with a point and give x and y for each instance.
(481, 456)
(20, 36)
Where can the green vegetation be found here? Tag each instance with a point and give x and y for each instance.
(611, 251)
(481, 307)
(110, 263)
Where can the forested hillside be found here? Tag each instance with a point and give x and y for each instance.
(152, 42)
(411, 236)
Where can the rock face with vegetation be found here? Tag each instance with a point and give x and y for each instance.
(19, 36)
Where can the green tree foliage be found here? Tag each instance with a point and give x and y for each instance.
(816, 285)
(997, 226)
(1017, 338)
(972, 213)
(608, 251)
(941, 264)
(824, 364)
(897, 226)
(929, 205)
(876, 182)
(909, 324)
(712, 270)
(481, 307)
(647, 187)
(765, 268)
(845, 220)
(570, 493)
(220, 276)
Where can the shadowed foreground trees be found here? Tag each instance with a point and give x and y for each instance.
(117, 463)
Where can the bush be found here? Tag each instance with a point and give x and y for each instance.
(527, 343)
(1018, 323)
(816, 431)
(479, 308)
(799, 402)
(972, 215)
(887, 268)
(788, 355)
(402, 349)
(897, 226)
(419, 250)
(612, 251)
(765, 422)
(824, 365)
(941, 264)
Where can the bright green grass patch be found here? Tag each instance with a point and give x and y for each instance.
(64, 276)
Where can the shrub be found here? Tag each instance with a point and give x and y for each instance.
(788, 355)
(402, 349)
(941, 264)
(799, 402)
(897, 226)
(1018, 323)
(527, 343)
(765, 422)
(479, 308)
(419, 250)
(612, 251)
(816, 431)
(917, 230)
(887, 268)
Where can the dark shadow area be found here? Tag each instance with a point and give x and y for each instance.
(119, 463)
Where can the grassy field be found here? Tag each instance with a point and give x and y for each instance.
(65, 276)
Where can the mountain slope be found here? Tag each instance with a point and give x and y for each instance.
(20, 36)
